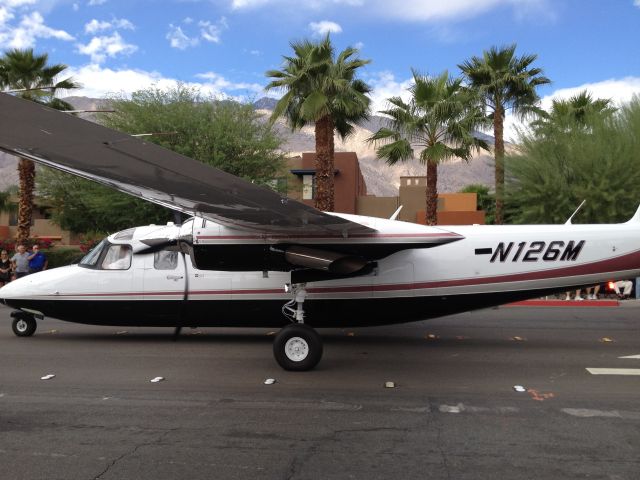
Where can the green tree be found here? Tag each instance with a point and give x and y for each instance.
(226, 134)
(83, 206)
(506, 82)
(25, 71)
(440, 120)
(222, 133)
(578, 111)
(321, 89)
(486, 200)
(599, 161)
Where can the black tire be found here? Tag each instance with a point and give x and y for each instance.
(24, 325)
(297, 348)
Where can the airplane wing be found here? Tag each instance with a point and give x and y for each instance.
(145, 170)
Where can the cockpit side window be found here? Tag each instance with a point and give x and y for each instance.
(91, 259)
(165, 260)
(117, 257)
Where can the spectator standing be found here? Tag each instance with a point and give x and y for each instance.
(5, 268)
(626, 286)
(37, 260)
(20, 261)
(593, 296)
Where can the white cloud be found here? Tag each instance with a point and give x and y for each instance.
(324, 27)
(95, 26)
(411, 10)
(242, 4)
(619, 91)
(30, 28)
(384, 86)
(17, 3)
(636, 3)
(310, 4)
(211, 31)
(5, 16)
(217, 82)
(99, 48)
(99, 82)
(178, 39)
(93, 3)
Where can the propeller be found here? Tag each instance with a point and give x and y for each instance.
(158, 244)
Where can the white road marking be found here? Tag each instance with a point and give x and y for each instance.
(461, 407)
(614, 371)
(589, 413)
(632, 356)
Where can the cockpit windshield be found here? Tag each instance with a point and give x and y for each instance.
(91, 258)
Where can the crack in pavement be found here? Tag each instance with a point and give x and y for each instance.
(433, 422)
(299, 459)
(134, 450)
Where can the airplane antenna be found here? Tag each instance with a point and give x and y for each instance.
(88, 111)
(396, 213)
(568, 222)
(18, 90)
(154, 133)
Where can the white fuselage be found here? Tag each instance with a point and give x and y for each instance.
(487, 265)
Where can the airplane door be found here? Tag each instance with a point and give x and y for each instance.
(164, 287)
(116, 282)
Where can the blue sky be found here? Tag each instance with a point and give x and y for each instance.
(225, 46)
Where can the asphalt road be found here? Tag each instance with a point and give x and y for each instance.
(453, 414)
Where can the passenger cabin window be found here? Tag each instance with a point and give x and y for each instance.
(118, 257)
(164, 260)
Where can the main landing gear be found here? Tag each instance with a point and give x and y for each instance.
(297, 347)
(24, 324)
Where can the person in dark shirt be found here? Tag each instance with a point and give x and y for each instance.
(37, 260)
(5, 268)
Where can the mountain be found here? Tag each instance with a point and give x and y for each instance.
(265, 103)
(381, 179)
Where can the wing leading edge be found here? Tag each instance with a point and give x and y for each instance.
(153, 173)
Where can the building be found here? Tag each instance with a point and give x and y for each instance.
(41, 225)
(349, 183)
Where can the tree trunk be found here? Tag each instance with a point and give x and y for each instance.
(432, 193)
(324, 164)
(498, 134)
(27, 176)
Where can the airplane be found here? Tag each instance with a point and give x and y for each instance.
(250, 257)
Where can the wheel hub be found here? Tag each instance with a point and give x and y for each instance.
(296, 349)
(21, 326)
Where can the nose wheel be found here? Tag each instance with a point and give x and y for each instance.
(23, 325)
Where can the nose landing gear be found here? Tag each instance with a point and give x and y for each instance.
(24, 324)
(297, 347)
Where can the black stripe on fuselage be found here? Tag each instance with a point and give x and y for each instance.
(267, 313)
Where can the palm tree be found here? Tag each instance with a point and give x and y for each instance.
(439, 119)
(322, 90)
(22, 70)
(578, 111)
(506, 82)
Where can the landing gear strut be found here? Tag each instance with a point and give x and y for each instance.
(297, 347)
(24, 324)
